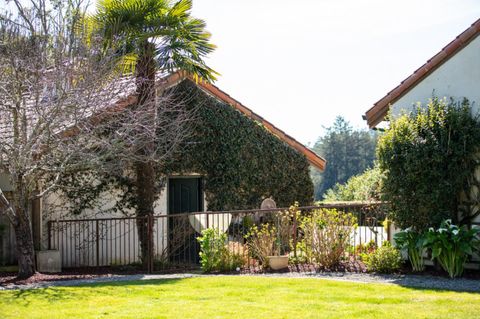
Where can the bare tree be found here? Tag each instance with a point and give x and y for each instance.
(66, 107)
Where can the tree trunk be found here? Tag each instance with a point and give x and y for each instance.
(144, 167)
(145, 200)
(24, 246)
(20, 221)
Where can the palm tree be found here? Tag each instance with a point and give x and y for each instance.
(158, 35)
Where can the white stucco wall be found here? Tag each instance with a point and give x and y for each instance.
(119, 243)
(458, 77)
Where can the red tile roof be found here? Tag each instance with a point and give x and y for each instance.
(377, 113)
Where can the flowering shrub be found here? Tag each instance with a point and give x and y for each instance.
(326, 236)
(261, 243)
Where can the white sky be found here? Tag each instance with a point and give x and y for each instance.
(301, 63)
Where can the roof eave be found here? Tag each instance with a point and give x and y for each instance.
(379, 110)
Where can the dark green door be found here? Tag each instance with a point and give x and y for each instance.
(185, 196)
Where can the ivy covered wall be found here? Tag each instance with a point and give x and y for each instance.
(242, 163)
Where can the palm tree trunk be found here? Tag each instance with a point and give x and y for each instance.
(144, 167)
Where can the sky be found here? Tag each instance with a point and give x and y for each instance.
(301, 63)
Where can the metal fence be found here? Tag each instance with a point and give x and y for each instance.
(169, 242)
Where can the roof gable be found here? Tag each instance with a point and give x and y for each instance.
(377, 113)
(314, 159)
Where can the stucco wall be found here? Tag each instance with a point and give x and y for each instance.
(458, 77)
(118, 239)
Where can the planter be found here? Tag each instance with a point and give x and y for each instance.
(278, 262)
(49, 261)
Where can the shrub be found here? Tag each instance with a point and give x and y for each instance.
(363, 250)
(452, 245)
(326, 236)
(216, 254)
(386, 259)
(363, 187)
(413, 243)
(428, 158)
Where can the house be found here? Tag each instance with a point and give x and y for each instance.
(198, 179)
(454, 72)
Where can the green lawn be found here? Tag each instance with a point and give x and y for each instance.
(238, 297)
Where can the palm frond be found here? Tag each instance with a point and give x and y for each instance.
(181, 41)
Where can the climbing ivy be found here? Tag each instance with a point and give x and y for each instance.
(242, 162)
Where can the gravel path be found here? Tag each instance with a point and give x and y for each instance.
(428, 282)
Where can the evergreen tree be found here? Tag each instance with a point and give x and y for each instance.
(348, 152)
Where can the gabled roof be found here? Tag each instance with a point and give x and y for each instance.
(314, 159)
(125, 96)
(380, 109)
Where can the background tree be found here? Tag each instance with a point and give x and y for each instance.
(152, 36)
(363, 187)
(349, 152)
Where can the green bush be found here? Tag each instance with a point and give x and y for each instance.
(428, 158)
(452, 245)
(363, 187)
(413, 243)
(385, 260)
(326, 236)
(215, 254)
(362, 250)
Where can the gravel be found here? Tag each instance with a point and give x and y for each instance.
(417, 281)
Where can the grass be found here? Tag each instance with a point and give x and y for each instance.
(237, 297)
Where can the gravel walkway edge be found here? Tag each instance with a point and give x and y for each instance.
(414, 281)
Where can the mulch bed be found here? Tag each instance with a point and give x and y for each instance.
(9, 278)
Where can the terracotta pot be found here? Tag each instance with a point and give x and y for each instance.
(278, 262)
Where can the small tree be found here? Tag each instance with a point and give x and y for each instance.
(52, 81)
(68, 112)
(429, 157)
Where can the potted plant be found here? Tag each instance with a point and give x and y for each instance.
(265, 246)
(279, 259)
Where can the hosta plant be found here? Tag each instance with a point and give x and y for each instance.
(413, 243)
(451, 245)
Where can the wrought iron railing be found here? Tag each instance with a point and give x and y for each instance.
(170, 242)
